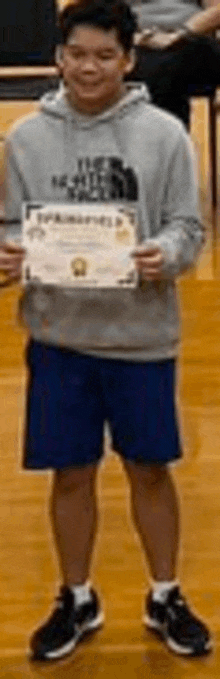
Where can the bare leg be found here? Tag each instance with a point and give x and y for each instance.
(74, 519)
(156, 516)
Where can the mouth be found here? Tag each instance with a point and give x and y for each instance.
(89, 85)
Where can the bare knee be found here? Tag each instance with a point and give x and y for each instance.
(75, 480)
(146, 476)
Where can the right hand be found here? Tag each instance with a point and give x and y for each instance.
(11, 258)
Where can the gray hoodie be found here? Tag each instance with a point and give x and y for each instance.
(46, 155)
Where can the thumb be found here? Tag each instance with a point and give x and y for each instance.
(146, 248)
(11, 247)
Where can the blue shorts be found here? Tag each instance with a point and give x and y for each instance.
(71, 396)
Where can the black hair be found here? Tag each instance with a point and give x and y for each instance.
(104, 14)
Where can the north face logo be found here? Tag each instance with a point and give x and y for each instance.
(99, 179)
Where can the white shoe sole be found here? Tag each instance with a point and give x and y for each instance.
(176, 648)
(70, 646)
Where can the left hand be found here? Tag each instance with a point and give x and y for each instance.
(159, 40)
(149, 261)
(11, 258)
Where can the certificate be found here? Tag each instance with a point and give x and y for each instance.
(80, 245)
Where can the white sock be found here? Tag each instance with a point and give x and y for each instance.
(160, 589)
(81, 593)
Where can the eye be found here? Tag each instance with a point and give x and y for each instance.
(106, 55)
(76, 54)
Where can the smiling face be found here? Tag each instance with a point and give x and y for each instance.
(93, 66)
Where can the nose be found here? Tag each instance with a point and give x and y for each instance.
(89, 66)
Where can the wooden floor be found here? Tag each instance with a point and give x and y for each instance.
(28, 569)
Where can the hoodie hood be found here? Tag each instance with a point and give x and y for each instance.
(57, 104)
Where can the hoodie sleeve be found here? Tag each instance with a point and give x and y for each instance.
(182, 234)
(14, 195)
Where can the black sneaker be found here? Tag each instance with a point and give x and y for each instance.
(65, 627)
(180, 629)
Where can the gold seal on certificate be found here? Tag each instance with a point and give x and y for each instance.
(80, 245)
(123, 235)
(79, 266)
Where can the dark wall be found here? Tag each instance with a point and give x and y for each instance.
(27, 32)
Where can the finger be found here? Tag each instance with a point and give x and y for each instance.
(149, 266)
(151, 277)
(155, 260)
(11, 252)
(150, 269)
(150, 261)
(151, 257)
(146, 247)
(151, 274)
(156, 252)
(10, 259)
(4, 270)
(146, 252)
(13, 247)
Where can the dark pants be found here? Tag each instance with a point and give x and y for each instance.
(173, 75)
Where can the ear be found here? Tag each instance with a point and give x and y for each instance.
(59, 55)
(59, 58)
(130, 62)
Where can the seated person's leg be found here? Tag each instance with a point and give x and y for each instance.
(169, 74)
(157, 69)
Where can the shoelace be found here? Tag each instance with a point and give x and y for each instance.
(59, 615)
(179, 607)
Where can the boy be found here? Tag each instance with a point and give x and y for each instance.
(105, 353)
